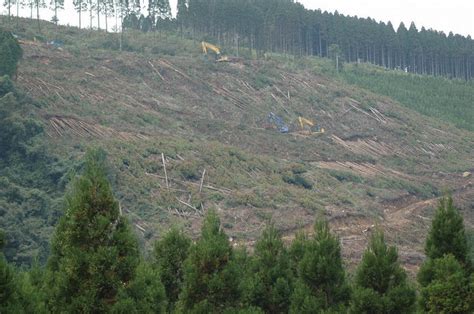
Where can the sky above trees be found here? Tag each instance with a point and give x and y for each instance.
(454, 15)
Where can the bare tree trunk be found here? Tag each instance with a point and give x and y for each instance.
(80, 11)
(90, 14)
(98, 14)
(17, 13)
(38, 16)
(56, 12)
(106, 23)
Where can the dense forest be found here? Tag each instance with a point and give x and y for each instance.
(95, 266)
(284, 26)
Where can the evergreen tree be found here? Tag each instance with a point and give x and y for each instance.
(446, 277)
(321, 280)
(56, 5)
(169, 255)
(38, 4)
(79, 6)
(182, 13)
(447, 234)
(211, 274)
(446, 287)
(94, 254)
(10, 54)
(144, 294)
(268, 285)
(380, 282)
(8, 293)
(17, 295)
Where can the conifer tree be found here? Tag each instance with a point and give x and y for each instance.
(380, 282)
(56, 5)
(211, 274)
(446, 287)
(79, 6)
(94, 254)
(447, 234)
(144, 294)
(182, 13)
(169, 255)
(446, 277)
(321, 280)
(8, 293)
(268, 282)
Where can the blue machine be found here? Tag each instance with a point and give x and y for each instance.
(278, 121)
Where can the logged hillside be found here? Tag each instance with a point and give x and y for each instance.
(162, 103)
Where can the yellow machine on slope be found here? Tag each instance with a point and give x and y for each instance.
(219, 58)
(306, 127)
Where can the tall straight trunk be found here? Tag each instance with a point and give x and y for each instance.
(56, 12)
(98, 14)
(9, 6)
(320, 44)
(106, 22)
(17, 13)
(80, 13)
(38, 15)
(90, 14)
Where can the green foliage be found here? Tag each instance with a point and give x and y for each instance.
(322, 280)
(446, 287)
(144, 294)
(7, 286)
(297, 180)
(17, 294)
(30, 179)
(446, 277)
(93, 252)
(169, 255)
(380, 282)
(16, 131)
(10, 53)
(447, 235)
(446, 100)
(268, 276)
(211, 275)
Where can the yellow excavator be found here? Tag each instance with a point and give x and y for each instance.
(307, 127)
(207, 46)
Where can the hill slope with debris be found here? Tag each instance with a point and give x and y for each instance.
(185, 134)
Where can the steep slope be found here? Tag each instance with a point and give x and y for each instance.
(379, 163)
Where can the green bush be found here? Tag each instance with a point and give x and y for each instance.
(297, 180)
(10, 53)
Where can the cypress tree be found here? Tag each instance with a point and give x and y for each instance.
(446, 277)
(321, 280)
(267, 283)
(446, 287)
(144, 294)
(169, 255)
(380, 282)
(94, 253)
(211, 274)
(447, 234)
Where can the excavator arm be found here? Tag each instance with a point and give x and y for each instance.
(205, 46)
(304, 121)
